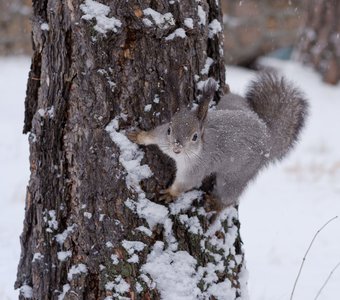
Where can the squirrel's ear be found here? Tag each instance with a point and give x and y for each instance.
(207, 95)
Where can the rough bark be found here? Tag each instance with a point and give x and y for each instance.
(320, 41)
(77, 214)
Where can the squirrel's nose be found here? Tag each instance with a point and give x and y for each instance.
(177, 148)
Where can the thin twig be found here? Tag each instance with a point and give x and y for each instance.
(326, 281)
(304, 257)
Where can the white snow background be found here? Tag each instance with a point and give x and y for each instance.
(279, 213)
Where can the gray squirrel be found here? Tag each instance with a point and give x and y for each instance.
(234, 141)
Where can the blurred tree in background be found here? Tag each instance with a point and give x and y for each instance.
(15, 27)
(320, 42)
(256, 27)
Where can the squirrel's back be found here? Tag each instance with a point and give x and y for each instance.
(236, 140)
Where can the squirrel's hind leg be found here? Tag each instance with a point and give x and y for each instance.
(228, 190)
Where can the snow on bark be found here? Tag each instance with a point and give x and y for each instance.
(214, 28)
(179, 32)
(189, 22)
(61, 237)
(161, 20)
(201, 15)
(95, 10)
(209, 61)
(75, 270)
(178, 275)
(44, 26)
(64, 255)
(66, 288)
(26, 291)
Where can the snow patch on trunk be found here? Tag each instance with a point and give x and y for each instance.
(208, 63)
(61, 237)
(214, 28)
(75, 270)
(66, 288)
(130, 158)
(178, 275)
(95, 10)
(201, 15)
(188, 22)
(173, 272)
(180, 32)
(162, 21)
(26, 291)
(64, 255)
(119, 286)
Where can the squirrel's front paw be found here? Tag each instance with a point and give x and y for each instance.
(140, 137)
(134, 136)
(168, 195)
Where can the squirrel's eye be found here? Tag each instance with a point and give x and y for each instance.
(194, 137)
(169, 131)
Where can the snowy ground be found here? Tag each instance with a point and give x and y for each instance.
(279, 213)
(14, 168)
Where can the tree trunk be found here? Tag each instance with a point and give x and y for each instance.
(320, 41)
(94, 227)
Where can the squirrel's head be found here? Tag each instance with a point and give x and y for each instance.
(186, 128)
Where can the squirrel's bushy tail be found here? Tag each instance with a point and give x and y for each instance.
(282, 107)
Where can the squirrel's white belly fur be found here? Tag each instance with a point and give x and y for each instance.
(187, 171)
